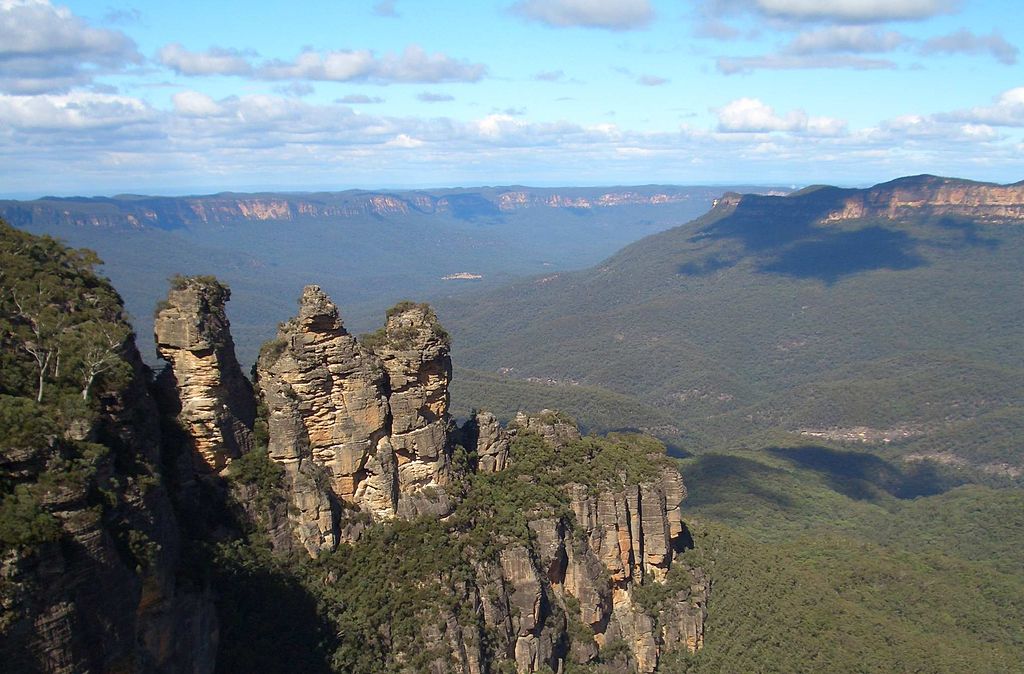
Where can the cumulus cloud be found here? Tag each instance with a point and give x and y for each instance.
(432, 97)
(615, 15)
(853, 11)
(75, 111)
(344, 65)
(848, 39)
(47, 49)
(906, 129)
(359, 99)
(213, 61)
(751, 115)
(964, 41)
(195, 104)
(1007, 110)
(730, 65)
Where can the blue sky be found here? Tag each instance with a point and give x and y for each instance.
(188, 97)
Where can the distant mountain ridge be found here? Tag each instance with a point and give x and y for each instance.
(138, 211)
(831, 312)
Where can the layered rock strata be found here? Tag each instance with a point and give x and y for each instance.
(213, 401)
(572, 593)
(112, 593)
(354, 430)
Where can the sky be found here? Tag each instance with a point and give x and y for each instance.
(106, 97)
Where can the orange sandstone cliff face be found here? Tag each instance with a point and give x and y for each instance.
(934, 197)
(214, 402)
(363, 435)
(363, 430)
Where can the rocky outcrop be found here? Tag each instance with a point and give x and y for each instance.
(487, 440)
(414, 353)
(108, 594)
(604, 579)
(365, 432)
(934, 197)
(556, 428)
(203, 384)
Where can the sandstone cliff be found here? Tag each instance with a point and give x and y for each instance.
(204, 384)
(365, 432)
(582, 569)
(582, 577)
(136, 212)
(107, 594)
(934, 197)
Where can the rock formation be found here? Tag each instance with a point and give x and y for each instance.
(934, 196)
(214, 401)
(487, 440)
(555, 428)
(365, 430)
(109, 595)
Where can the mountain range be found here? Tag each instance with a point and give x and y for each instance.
(368, 249)
(889, 317)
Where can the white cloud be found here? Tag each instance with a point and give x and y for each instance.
(1007, 110)
(385, 8)
(751, 115)
(74, 111)
(333, 66)
(854, 11)
(550, 76)
(651, 80)
(434, 97)
(414, 64)
(907, 129)
(850, 39)
(359, 99)
(964, 41)
(213, 61)
(47, 49)
(404, 141)
(730, 65)
(195, 104)
(607, 14)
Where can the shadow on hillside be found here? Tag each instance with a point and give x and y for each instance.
(832, 255)
(786, 231)
(863, 476)
(474, 207)
(715, 478)
(969, 231)
(269, 623)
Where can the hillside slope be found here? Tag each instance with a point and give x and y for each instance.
(892, 315)
(368, 249)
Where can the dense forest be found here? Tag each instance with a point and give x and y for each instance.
(820, 556)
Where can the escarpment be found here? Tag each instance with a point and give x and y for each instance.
(161, 532)
(94, 575)
(934, 197)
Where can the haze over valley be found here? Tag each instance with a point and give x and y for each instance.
(545, 337)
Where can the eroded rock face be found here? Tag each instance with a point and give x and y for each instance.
(213, 400)
(363, 430)
(484, 436)
(415, 355)
(935, 196)
(556, 429)
(99, 599)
